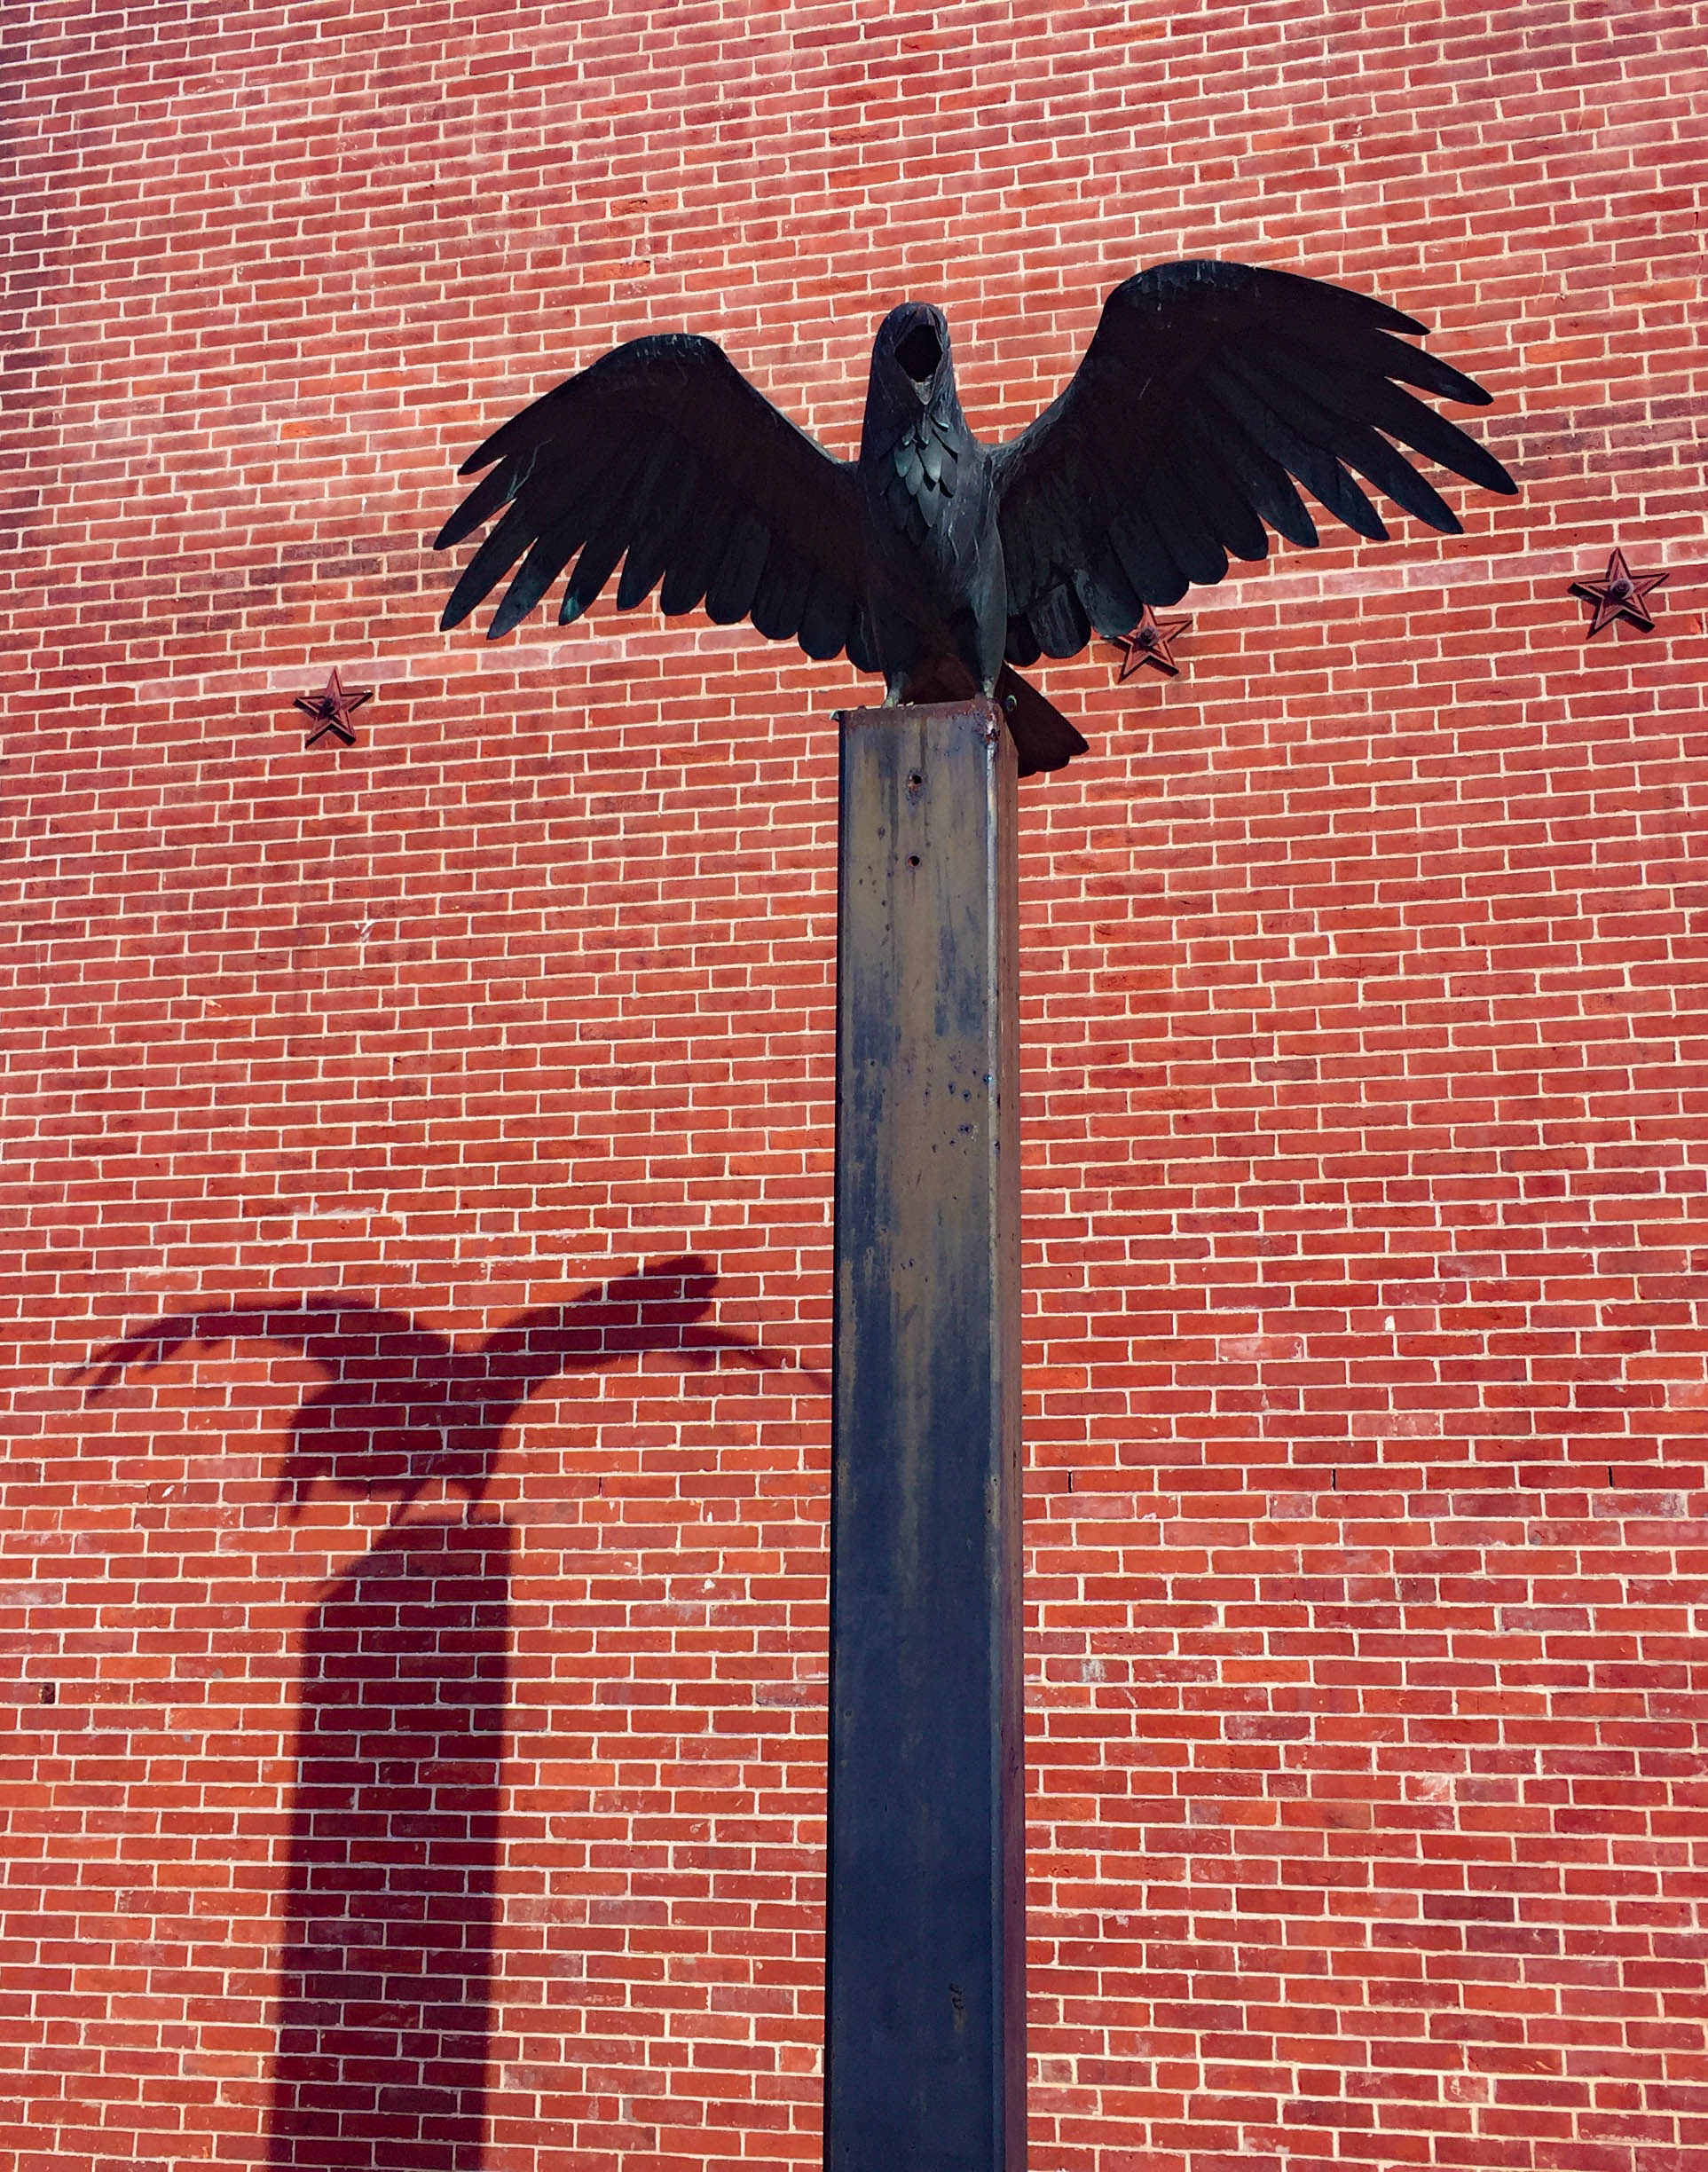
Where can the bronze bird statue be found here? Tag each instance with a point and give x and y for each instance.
(403, 1409)
(1208, 392)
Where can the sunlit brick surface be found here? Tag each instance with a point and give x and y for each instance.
(1366, 1120)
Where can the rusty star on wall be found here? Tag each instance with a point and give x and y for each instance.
(1150, 642)
(1618, 594)
(331, 709)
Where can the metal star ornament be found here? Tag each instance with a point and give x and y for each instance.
(1150, 642)
(1618, 594)
(331, 709)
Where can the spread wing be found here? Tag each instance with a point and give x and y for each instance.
(335, 1332)
(664, 456)
(1208, 390)
(662, 1307)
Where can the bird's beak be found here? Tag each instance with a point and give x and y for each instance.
(920, 354)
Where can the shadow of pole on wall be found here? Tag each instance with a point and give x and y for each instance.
(390, 1897)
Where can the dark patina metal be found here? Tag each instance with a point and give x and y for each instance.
(1150, 642)
(331, 709)
(947, 564)
(1619, 593)
(924, 2033)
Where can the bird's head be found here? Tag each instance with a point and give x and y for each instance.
(912, 350)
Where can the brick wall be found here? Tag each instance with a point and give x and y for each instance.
(479, 1073)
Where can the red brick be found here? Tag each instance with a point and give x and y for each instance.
(1364, 1139)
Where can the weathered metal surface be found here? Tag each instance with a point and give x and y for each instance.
(1150, 642)
(944, 563)
(332, 708)
(1619, 593)
(926, 2021)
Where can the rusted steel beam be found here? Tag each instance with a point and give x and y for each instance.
(924, 2033)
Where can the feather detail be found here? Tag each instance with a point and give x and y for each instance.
(662, 457)
(1209, 390)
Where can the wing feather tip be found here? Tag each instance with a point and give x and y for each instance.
(463, 599)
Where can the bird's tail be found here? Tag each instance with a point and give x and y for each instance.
(1042, 734)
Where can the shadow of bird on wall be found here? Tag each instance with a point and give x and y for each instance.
(404, 1409)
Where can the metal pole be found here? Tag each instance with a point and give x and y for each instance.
(925, 2028)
